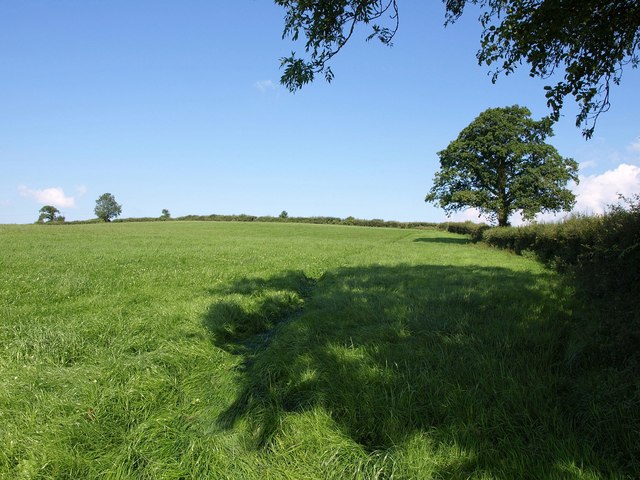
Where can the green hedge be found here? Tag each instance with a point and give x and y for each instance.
(475, 230)
(602, 251)
(376, 222)
(601, 257)
(557, 244)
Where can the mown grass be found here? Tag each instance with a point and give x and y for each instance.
(215, 350)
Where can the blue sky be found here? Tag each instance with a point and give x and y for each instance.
(177, 105)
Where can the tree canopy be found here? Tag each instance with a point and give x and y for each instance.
(49, 213)
(501, 164)
(107, 207)
(589, 42)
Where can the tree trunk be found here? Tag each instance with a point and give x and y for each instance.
(503, 212)
(503, 217)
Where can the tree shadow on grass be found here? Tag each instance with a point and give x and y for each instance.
(468, 356)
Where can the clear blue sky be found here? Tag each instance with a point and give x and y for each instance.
(176, 105)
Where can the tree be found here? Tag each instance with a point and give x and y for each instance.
(284, 214)
(500, 164)
(165, 214)
(589, 40)
(49, 213)
(107, 207)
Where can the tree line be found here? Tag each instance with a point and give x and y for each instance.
(106, 209)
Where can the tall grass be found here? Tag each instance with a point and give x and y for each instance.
(231, 350)
(600, 258)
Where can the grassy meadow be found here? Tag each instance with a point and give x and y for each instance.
(189, 350)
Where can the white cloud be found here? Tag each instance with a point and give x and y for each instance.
(588, 164)
(596, 192)
(81, 190)
(634, 146)
(264, 85)
(468, 214)
(49, 196)
(549, 217)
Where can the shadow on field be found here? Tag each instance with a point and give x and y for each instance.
(459, 241)
(466, 357)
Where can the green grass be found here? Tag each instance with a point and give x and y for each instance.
(225, 350)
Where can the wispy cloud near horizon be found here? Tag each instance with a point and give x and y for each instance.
(265, 85)
(81, 190)
(48, 196)
(634, 146)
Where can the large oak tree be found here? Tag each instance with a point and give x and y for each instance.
(500, 164)
(587, 42)
(107, 207)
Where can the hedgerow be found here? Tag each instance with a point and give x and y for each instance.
(600, 259)
(600, 256)
(602, 252)
(475, 230)
(351, 221)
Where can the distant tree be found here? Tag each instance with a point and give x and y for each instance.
(589, 41)
(500, 164)
(284, 214)
(49, 213)
(107, 207)
(165, 214)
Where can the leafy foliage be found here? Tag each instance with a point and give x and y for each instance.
(107, 207)
(605, 249)
(165, 214)
(591, 41)
(500, 164)
(474, 230)
(49, 213)
(613, 261)
(328, 26)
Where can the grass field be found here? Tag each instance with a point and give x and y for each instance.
(182, 350)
